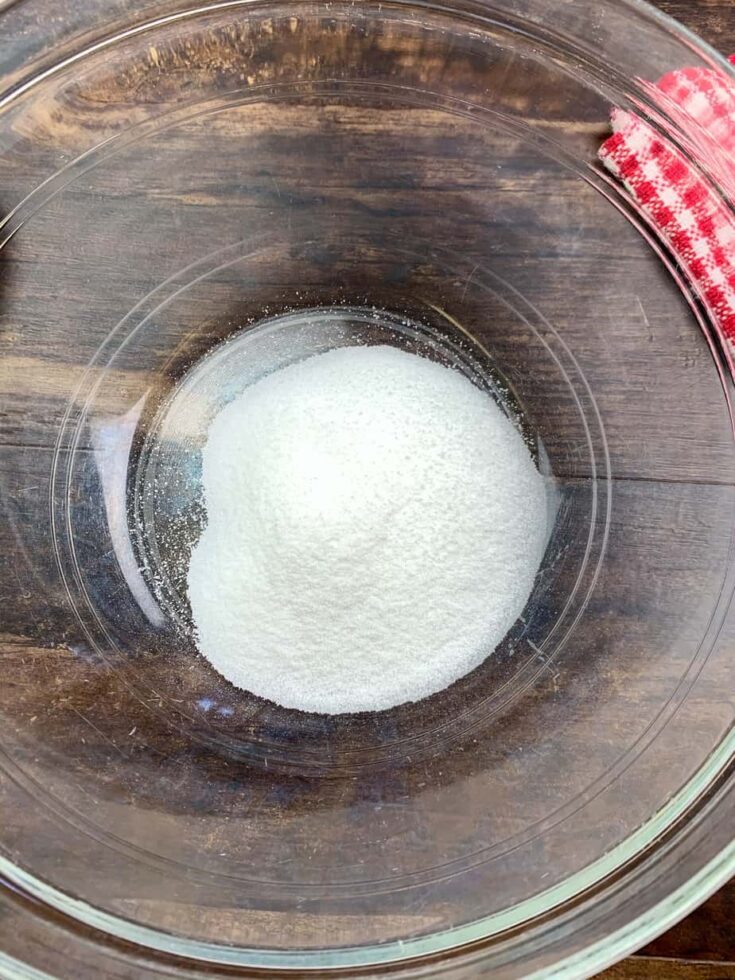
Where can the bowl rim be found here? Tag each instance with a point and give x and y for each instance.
(701, 789)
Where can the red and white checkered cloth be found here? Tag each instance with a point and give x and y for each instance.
(695, 220)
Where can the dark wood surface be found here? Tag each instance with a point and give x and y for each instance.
(702, 946)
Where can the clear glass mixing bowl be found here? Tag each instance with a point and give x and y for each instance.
(287, 177)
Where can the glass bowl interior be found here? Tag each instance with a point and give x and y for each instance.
(210, 194)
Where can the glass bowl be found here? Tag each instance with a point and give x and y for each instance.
(194, 195)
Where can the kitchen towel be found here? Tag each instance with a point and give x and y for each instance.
(695, 220)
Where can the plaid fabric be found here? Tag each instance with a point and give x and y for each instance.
(707, 97)
(690, 214)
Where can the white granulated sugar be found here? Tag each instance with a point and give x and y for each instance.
(375, 524)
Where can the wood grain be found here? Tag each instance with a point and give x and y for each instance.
(702, 946)
(669, 442)
(656, 968)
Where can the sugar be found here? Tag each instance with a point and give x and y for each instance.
(374, 527)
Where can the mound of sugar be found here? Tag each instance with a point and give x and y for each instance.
(375, 524)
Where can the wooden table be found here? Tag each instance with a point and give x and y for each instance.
(702, 947)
